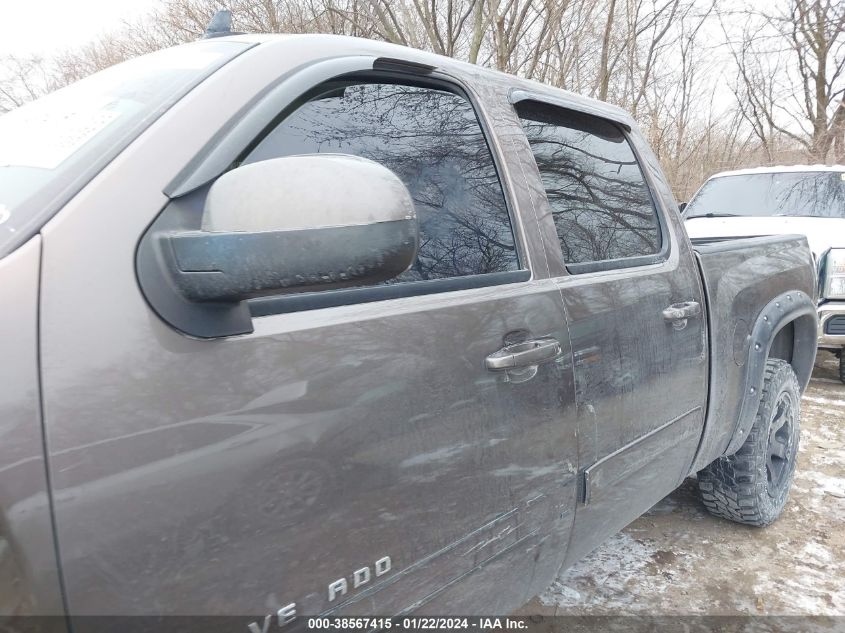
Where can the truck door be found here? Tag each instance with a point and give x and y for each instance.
(359, 451)
(634, 304)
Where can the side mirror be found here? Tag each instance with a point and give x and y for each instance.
(681, 207)
(295, 224)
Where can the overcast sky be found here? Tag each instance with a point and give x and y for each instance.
(47, 26)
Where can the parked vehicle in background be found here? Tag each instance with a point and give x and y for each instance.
(804, 199)
(322, 325)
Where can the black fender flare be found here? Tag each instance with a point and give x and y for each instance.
(790, 307)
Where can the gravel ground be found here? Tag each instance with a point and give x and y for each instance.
(678, 560)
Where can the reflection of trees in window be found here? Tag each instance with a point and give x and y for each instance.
(813, 194)
(433, 142)
(599, 200)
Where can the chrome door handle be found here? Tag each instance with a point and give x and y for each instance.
(685, 310)
(678, 313)
(524, 354)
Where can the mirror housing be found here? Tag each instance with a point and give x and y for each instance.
(295, 224)
(682, 206)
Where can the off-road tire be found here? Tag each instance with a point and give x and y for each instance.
(752, 485)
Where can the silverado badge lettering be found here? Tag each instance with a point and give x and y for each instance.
(339, 587)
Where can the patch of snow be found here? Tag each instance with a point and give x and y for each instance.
(601, 578)
(825, 483)
(817, 551)
(825, 401)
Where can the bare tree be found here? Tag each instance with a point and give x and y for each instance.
(790, 85)
(604, 64)
(644, 55)
(22, 79)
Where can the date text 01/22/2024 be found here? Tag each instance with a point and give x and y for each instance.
(416, 623)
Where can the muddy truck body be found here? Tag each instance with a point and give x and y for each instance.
(301, 325)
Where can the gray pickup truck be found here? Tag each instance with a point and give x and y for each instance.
(303, 325)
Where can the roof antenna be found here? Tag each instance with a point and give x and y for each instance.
(220, 25)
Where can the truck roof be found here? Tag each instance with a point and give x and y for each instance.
(779, 169)
(326, 45)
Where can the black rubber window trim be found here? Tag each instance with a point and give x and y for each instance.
(284, 304)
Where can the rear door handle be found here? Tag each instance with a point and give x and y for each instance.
(524, 354)
(678, 313)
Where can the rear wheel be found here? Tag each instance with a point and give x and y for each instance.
(752, 485)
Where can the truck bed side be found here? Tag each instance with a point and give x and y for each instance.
(760, 294)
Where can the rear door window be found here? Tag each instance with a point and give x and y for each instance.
(602, 207)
